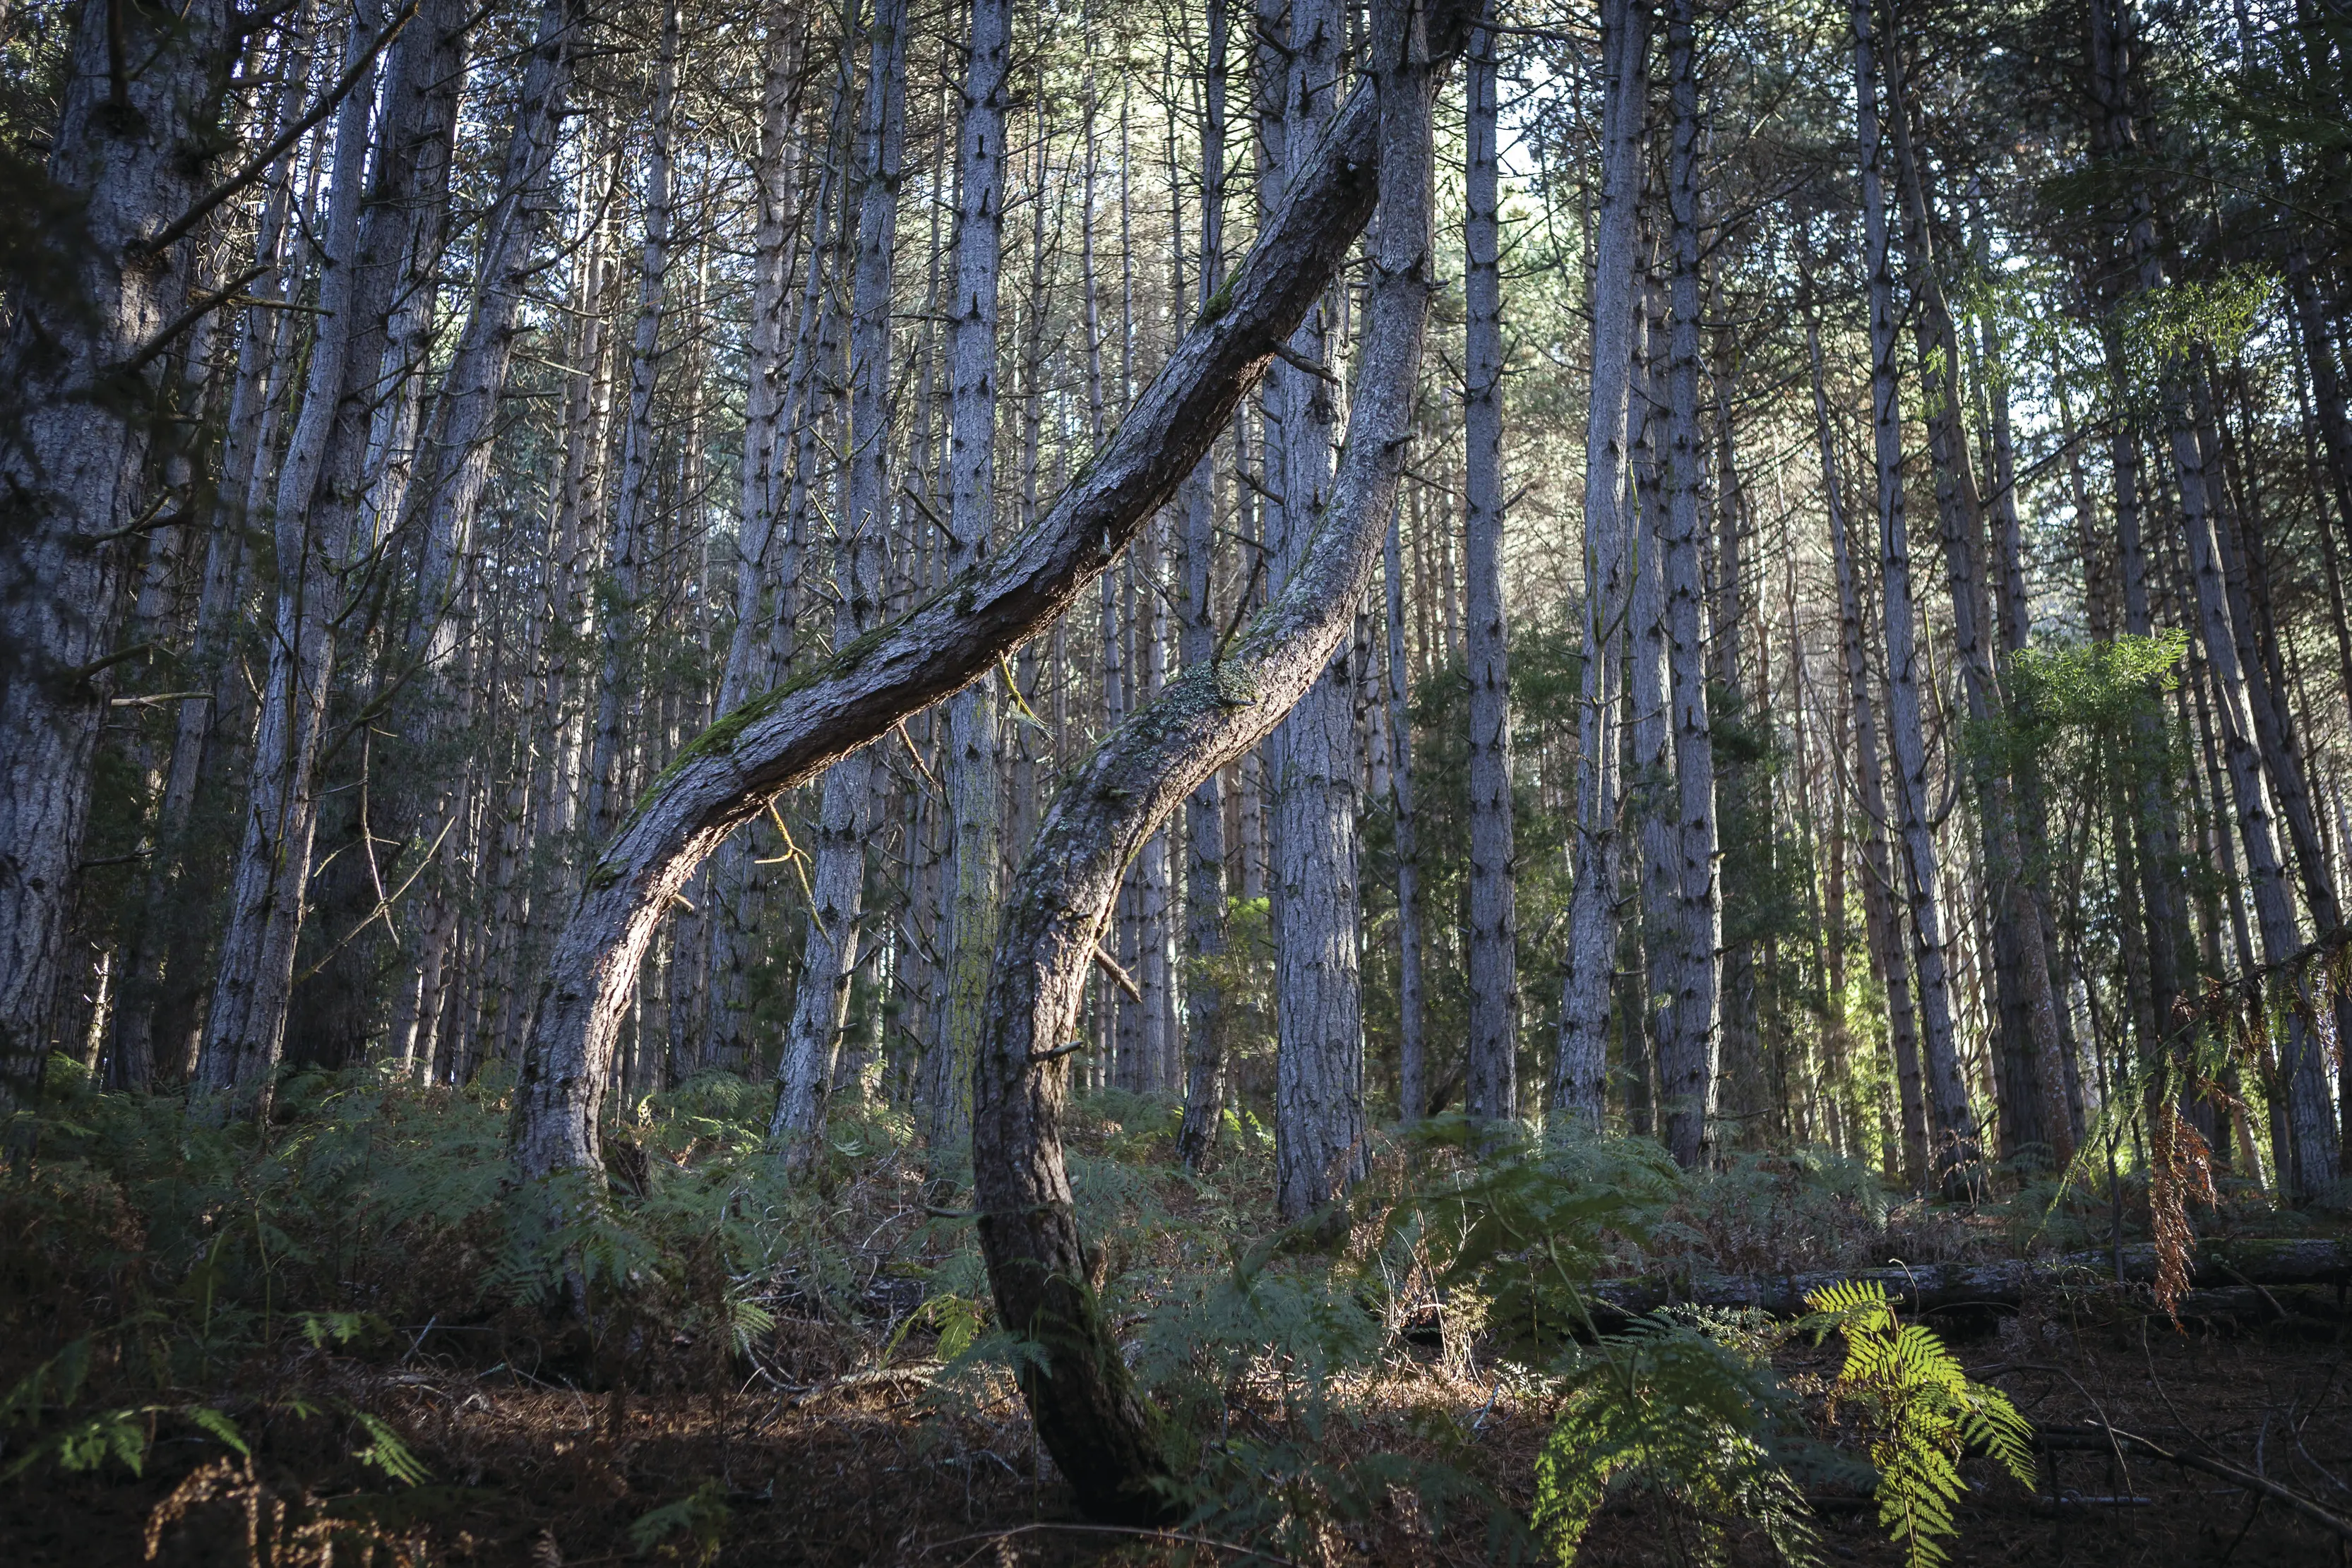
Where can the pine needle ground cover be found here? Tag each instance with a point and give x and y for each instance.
(338, 1340)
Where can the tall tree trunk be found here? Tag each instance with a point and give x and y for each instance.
(2035, 1109)
(2155, 845)
(1205, 1026)
(1579, 1074)
(1081, 1396)
(1737, 784)
(1319, 1107)
(85, 370)
(1697, 929)
(829, 960)
(1649, 769)
(975, 763)
(766, 565)
(245, 1029)
(1491, 1060)
(619, 636)
(1953, 1124)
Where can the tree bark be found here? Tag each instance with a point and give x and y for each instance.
(1697, 929)
(1580, 1072)
(1956, 1153)
(83, 388)
(1318, 1113)
(1490, 1089)
(1649, 771)
(829, 957)
(975, 767)
(1081, 1398)
(787, 733)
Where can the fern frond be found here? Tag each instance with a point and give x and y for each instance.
(1926, 1409)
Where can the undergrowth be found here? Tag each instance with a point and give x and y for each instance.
(250, 1297)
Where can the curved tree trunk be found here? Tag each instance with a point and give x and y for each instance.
(791, 732)
(1085, 1407)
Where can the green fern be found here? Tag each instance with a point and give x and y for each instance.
(1923, 1411)
(1681, 1411)
(701, 1516)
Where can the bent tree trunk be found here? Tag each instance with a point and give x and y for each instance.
(789, 733)
(1084, 1407)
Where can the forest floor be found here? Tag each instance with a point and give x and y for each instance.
(860, 1470)
(831, 1431)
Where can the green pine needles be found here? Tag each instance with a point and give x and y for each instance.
(1922, 1412)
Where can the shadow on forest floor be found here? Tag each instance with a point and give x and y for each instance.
(805, 1374)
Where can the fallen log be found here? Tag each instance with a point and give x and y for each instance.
(1928, 1287)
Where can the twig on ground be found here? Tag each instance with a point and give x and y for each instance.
(1177, 1536)
(2100, 1434)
